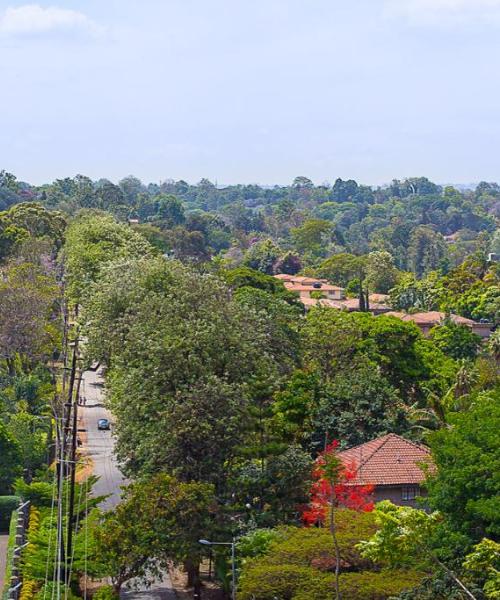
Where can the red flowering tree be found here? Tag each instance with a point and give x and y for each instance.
(334, 487)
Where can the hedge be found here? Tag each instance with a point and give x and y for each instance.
(291, 582)
(300, 565)
(312, 546)
(267, 582)
(7, 505)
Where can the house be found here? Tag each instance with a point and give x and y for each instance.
(305, 286)
(332, 296)
(374, 306)
(393, 465)
(427, 320)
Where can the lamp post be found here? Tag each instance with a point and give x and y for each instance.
(233, 561)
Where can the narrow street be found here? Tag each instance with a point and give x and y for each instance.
(100, 448)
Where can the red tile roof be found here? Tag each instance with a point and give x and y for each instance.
(433, 317)
(309, 287)
(388, 460)
(353, 304)
(322, 302)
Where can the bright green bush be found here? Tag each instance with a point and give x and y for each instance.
(50, 591)
(300, 565)
(7, 505)
(314, 547)
(291, 582)
(360, 586)
(106, 592)
(267, 582)
(256, 543)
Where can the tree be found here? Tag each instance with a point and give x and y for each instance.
(170, 210)
(407, 537)
(131, 188)
(190, 376)
(28, 326)
(483, 566)
(93, 241)
(263, 256)
(188, 246)
(411, 293)
(159, 519)
(335, 340)
(302, 182)
(271, 485)
(344, 191)
(456, 340)
(313, 236)
(356, 406)
(426, 250)
(11, 463)
(465, 487)
(110, 197)
(31, 441)
(339, 269)
(332, 489)
(289, 263)
(381, 273)
(282, 320)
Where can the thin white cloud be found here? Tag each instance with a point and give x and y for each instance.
(444, 12)
(33, 19)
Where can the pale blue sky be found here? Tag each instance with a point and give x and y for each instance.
(253, 91)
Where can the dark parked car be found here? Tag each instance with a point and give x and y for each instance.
(103, 424)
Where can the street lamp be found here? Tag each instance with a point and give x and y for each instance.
(233, 561)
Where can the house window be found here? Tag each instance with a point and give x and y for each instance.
(410, 492)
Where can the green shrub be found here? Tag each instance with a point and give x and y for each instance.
(267, 582)
(311, 546)
(49, 590)
(38, 493)
(291, 582)
(106, 592)
(300, 566)
(378, 586)
(256, 543)
(7, 505)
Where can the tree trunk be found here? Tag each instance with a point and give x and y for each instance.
(451, 573)
(333, 531)
(11, 366)
(192, 569)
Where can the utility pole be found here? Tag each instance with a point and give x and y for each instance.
(72, 471)
(71, 382)
(60, 576)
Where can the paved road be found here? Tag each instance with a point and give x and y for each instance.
(100, 448)
(3, 559)
(100, 444)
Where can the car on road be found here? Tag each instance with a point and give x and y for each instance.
(103, 425)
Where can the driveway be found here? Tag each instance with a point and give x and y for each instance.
(100, 448)
(4, 539)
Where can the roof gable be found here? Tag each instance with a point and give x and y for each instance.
(388, 460)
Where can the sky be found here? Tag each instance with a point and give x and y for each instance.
(251, 91)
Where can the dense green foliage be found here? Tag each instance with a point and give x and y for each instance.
(224, 390)
(7, 505)
(466, 486)
(300, 561)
